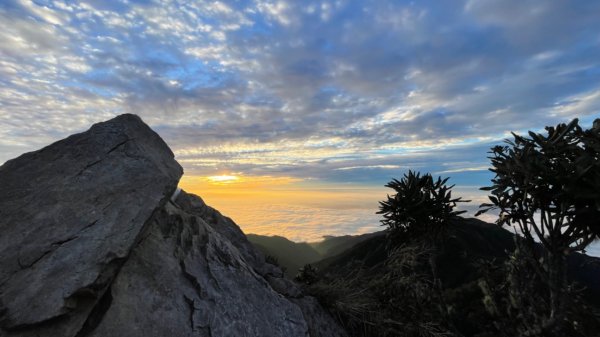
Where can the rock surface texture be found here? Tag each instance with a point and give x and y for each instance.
(93, 242)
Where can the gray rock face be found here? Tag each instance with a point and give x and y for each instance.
(194, 273)
(91, 245)
(69, 215)
(187, 279)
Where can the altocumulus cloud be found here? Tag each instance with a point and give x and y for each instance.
(332, 90)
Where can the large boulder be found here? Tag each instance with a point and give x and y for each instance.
(96, 241)
(70, 214)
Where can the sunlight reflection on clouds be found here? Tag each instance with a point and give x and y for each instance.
(301, 223)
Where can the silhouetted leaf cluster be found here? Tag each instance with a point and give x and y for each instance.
(420, 207)
(556, 175)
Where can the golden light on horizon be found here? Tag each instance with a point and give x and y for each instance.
(236, 182)
(299, 209)
(223, 179)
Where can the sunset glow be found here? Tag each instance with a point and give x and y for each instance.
(298, 210)
(223, 179)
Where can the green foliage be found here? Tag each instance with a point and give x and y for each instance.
(272, 260)
(420, 207)
(307, 275)
(377, 290)
(548, 186)
(397, 299)
(517, 300)
(419, 213)
(556, 175)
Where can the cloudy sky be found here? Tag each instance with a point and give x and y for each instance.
(308, 107)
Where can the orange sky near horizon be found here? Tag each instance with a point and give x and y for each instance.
(286, 206)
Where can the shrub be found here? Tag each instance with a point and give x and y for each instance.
(272, 260)
(396, 299)
(548, 186)
(419, 212)
(421, 206)
(518, 301)
(307, 275)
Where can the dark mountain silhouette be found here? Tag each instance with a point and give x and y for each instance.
(354, 277)
(289, 254)
(334, 245)
(294, 255)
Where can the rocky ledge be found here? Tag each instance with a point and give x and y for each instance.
(96, 240)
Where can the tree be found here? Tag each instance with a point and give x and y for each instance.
(420, 208)
(548, 186)
(307, 274)
(420, 211)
